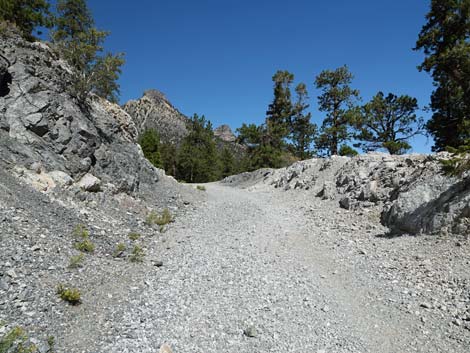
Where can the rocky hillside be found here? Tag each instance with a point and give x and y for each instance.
(410, 191)
(154, 111)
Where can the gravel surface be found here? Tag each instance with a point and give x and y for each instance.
(243, 271)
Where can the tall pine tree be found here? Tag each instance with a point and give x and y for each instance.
(444, 40)
(337, 100)
(302, 130)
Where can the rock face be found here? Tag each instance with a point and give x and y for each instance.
(225, 133)
(410, 191)
(41, 123)
(154, 111)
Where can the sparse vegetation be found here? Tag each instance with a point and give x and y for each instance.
(137, 254)
(134, 236)
(83, 242)
(201, 188)
(120, 248)
(70, 295)
(76, 261)
(15, 342)
(159, 219)
(459, 163)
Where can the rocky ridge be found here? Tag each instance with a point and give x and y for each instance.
(411, 192)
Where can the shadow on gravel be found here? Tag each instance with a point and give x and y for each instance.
(423, 220)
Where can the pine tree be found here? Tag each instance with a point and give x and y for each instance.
(337, 100)
(81, 44)
(27, 15)
(388, 122)
(279, 111)
(149, 141)
(302, 130)
(444, 40)
(227, 163)
(197, 156)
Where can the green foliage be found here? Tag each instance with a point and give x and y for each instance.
(159, 219)
(14, 341)
(459, 163)
(388, 122)
(150, 143)
(201, 188)
(348, 151)
(337, 99)
(280, 110)
(134, 236)
(120, 248)
(168, 152)
(444, 41)
(77, 261)
(227, 163)
(249, 135)
(197, 160)
(70, 295)
(27, 15)
(83, 242)
(137, 254)
(81, 44)
(302, 130)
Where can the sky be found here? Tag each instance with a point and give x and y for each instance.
(217, 57)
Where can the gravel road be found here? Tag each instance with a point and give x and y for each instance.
(296, 273)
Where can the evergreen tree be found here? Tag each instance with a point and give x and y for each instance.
(444, 40)
(279, 111)
(227, 163)
(168, 152)
(388, 122)
(149, 141)
(337, 100)
(81, 44)
(27, 15)
(302, 130)
(347, 151)
(197, 156)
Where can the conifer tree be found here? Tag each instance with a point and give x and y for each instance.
(444, 40)
(279, 111)
(337, 100)
(197, 156)
(227, 163)
(27, 15)
(81, 44)
(149, 141)
(388, 122)
(302, 130)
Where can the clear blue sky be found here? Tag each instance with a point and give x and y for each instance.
(217, 57)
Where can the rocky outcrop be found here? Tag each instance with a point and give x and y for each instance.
(410, 191)
(225, 133)
(154, 111)
(40, 123)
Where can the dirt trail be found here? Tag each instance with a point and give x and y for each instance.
(288, 265)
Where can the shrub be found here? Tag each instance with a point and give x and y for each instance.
(120, 248)
(348, 151)
(134, 236)
(459, 163)
(164, 218)
(201, 188)
(77, 261)
(137, 254)
(70, 295)
(83, 243)
(85, 246)
(15, 342)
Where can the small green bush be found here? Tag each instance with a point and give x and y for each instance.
(164, 218)
(134, 236)
(70, 295)
(80, 232)
(77, 261)
(82, 235)
(15, 342)
(85, 246)
(120, 248)
(459, 163)
(201, 188)
(137, 254)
